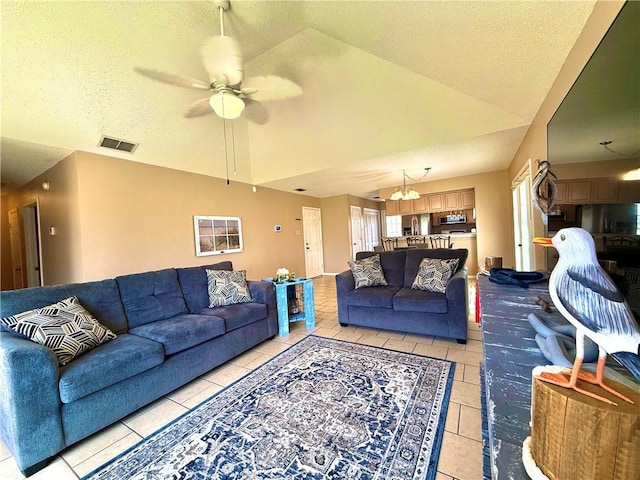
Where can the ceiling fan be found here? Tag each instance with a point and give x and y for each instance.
(223, 62)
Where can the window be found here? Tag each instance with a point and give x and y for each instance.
(217, 235)
(394, 225)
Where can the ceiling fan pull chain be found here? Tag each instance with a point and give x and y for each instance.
(233, 145)
(226, 156)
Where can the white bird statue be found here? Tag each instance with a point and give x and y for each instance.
(587, 297)
(543, 189)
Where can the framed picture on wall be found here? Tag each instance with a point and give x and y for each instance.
(217, 235)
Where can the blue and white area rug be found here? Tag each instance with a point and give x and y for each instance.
(323, 409)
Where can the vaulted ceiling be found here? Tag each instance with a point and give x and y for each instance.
(388, 85)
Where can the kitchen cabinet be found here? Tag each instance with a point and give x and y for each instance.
(629, 191)
(456, 200)
(604, 191)
(421, 205)
(392, 207)
(579, 191)
(451, 200)
(597, 191)
(399, 207)
(406, 207)
(436, 202)
(467, 199)
(561, 193)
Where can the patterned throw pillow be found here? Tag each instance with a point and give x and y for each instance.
(65, 327)
(368, 272)
(434, 274)
(227, 287)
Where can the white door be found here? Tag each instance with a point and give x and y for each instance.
(371, 228)
(522, 224)
(357, 231)
(16, 248)
(32, 245)
(313, 256)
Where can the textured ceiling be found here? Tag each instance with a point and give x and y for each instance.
(387, 85)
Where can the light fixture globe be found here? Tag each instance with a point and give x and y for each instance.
(397, 194)
(226, 105)
(410, 194)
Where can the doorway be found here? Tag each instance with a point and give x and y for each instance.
(32, 244)
(312, 230)
(15, 239)
(371, 229)
(357, 231)
(521, 194)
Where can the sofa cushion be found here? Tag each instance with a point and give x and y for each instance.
(408, 299)
(101, 299)
(367, 272)
(392, 265)
(184, 331)
(64, 327)
(415, 256)
(238, 315)
(227, 288)
(151, 296)
(372, 297)
(193, 281)
(107, 365)
(434, 274)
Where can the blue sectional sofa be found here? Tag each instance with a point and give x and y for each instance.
(166, 337)
(399, 307)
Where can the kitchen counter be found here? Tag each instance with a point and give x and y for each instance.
(459, 240)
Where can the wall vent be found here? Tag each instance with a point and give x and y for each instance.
(117, 144)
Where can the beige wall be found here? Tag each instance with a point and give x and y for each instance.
(534, 145)
(59, 208)
(336, 229)
(494, 220)
(115, 217)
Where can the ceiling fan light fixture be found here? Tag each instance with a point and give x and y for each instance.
(226, 105)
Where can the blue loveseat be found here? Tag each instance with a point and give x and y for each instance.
(166, 336)
(399, 307)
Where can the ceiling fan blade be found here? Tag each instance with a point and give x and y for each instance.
(173, 79)
(255, 112)
(222, 59)
(270, 87)
(199, 108)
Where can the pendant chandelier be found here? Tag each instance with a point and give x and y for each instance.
(405, 192)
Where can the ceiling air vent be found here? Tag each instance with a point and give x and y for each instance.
(117, 144)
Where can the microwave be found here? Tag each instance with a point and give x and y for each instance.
(453, 218)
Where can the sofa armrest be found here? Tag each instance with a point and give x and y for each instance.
(30, 418)
(458, 306)
(344, 284)
(263, 292)
(457, 287)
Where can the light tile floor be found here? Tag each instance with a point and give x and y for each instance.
(461, 452)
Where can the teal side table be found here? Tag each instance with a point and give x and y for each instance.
(307, 315)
